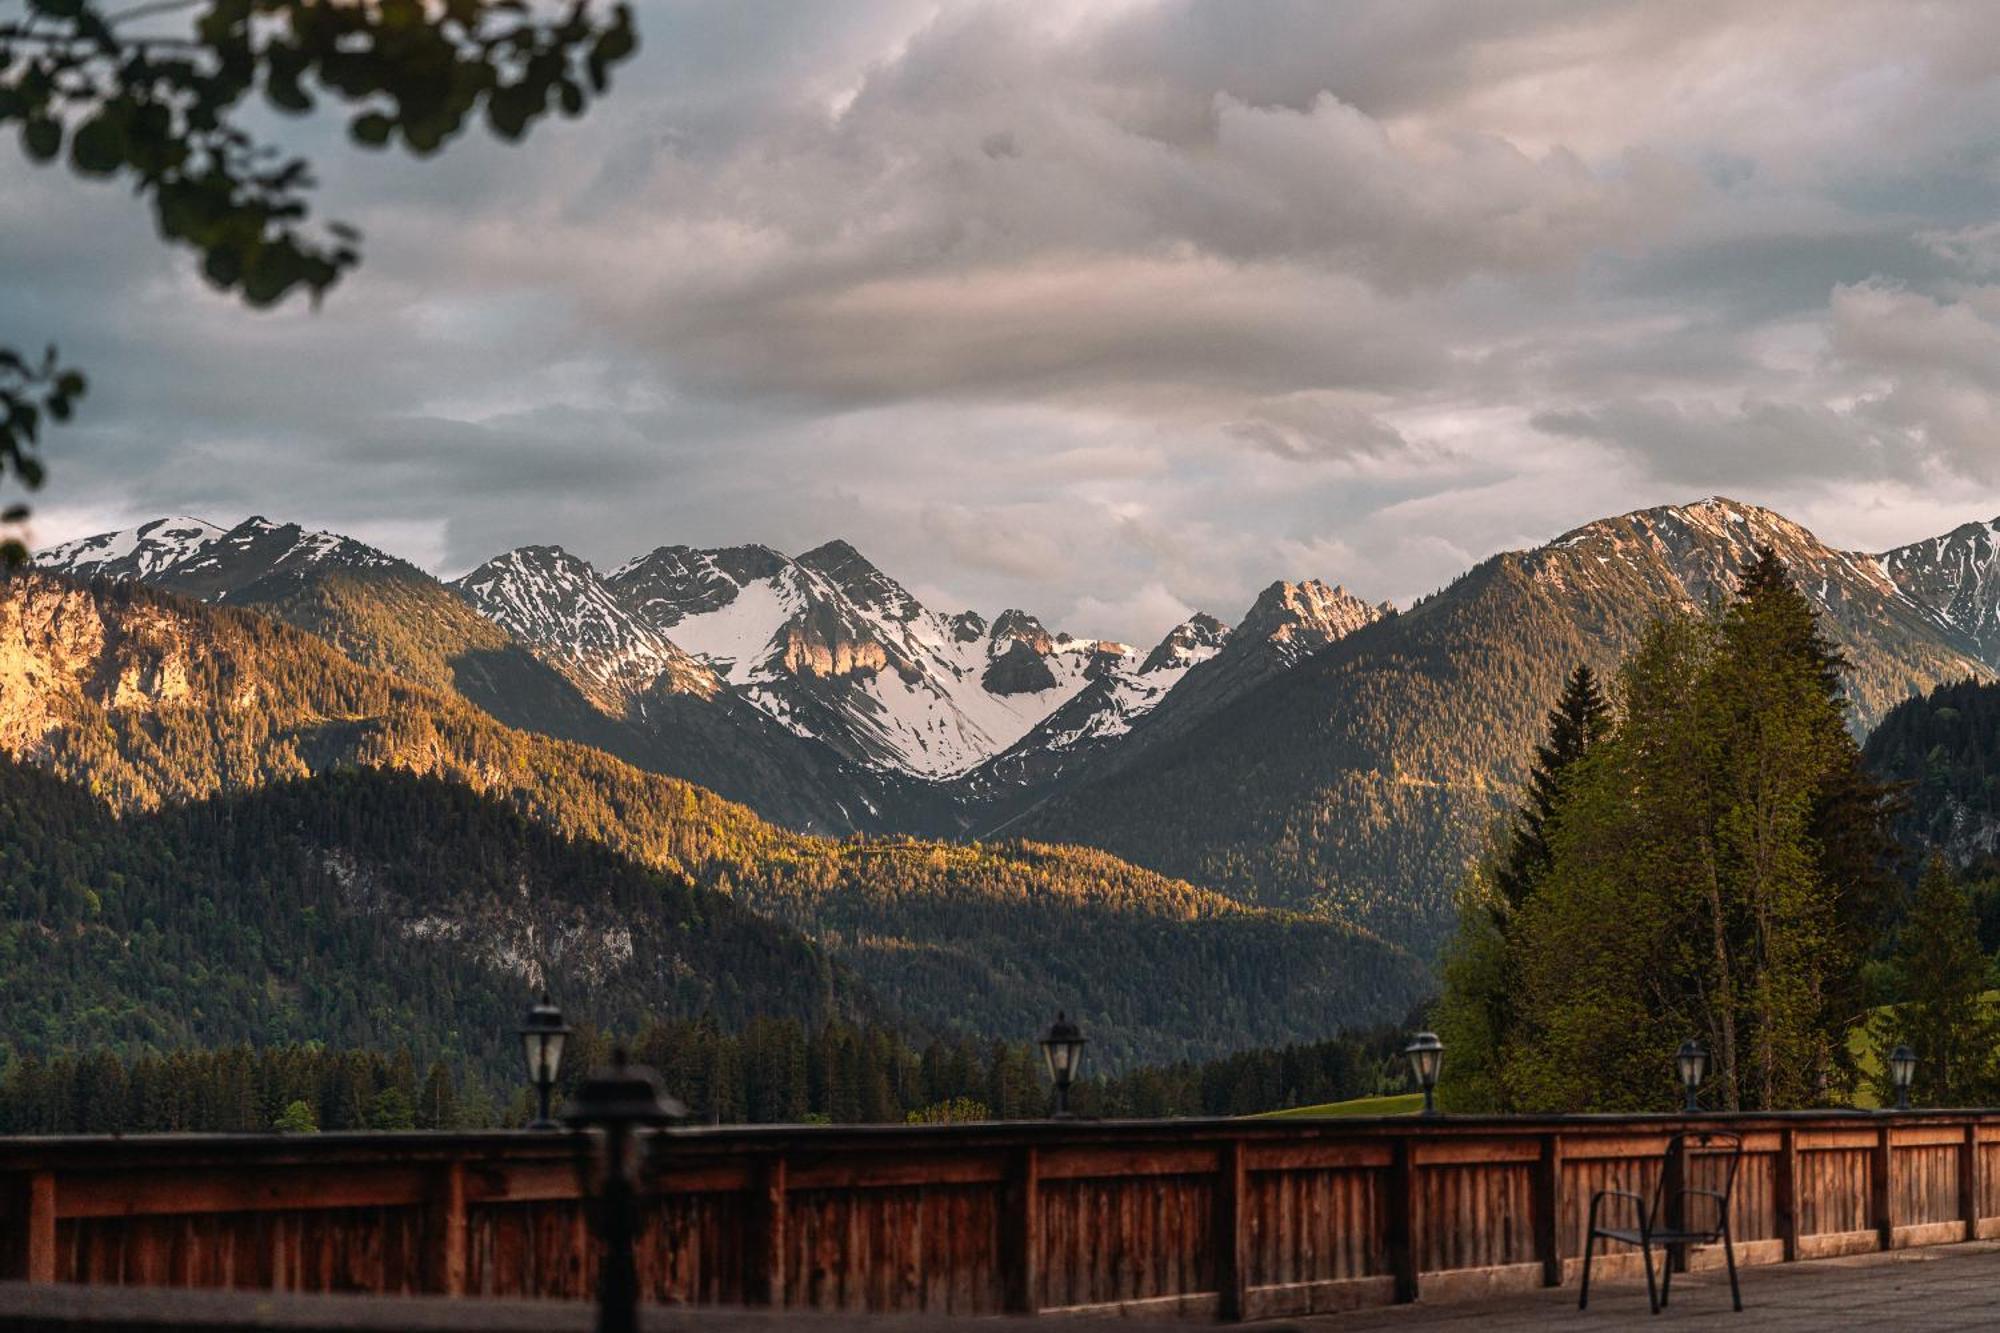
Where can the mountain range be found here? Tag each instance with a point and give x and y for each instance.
(1322, 754)
(150, 703)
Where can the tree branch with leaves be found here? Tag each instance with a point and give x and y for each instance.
(113, 95)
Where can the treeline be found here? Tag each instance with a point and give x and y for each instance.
(772, 1071)
(1701, 855)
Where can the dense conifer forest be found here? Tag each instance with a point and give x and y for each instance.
(769, 1071)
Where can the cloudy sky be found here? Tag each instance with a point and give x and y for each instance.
(1106, 310)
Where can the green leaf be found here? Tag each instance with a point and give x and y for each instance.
(371, 129)
(98, 146)
(41, 137)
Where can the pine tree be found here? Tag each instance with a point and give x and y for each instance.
(1482, 974)
(1941, 977)
(1580, 719)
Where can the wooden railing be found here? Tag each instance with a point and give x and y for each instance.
(1237, 1219)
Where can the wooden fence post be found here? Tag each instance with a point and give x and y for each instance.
(1403, 1252)
(1969, 1188)
(1881, 1207)
(1021, 1232)
(1232, 1240)
(39, 1234)
(1548, 1210)
(764, 1280)
(1785, 1192)
(448, 1233)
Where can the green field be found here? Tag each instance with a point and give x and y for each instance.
(1408, 1103)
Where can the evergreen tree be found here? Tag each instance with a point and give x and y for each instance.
(1713, 869)
(1480, 967)
(1580, 719)
(1941, 977)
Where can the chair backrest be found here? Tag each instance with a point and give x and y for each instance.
(1707, 1162)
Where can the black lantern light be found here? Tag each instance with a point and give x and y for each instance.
(1691, 1062)
(1902, 1068)
(542, 1034)
(1426, 1054)
(617, 1102)
(1063, 1049)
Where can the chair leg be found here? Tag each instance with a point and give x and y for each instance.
(1652, 1290)
(1583, 1289)
(1729, 1256)
(1667, 1278)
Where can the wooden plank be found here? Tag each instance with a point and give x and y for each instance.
(39, 1229)
(1785, 1192)
(890, 1172)
(766, 1224)
(1317, 1156)
(1476, 1152)
(1920, 1234)
(1548, 1209)
(1334, 1296)
(1834, 1244)
(1021, 1232)
(1880, 1167)
(1970, 1187)
(1464, 1284)
(1929, 1136)
(1232, 1233)
(1402, 1209)
(449, 1231)
(1098, 1163)
(294, 1189)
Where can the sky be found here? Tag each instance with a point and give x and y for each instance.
(1112, 311)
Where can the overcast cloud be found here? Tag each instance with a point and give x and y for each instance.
(1111, 311)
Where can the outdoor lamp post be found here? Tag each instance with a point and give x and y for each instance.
(542, 1034)
(1063, 1049)
(1426, 1054)
(617, 1102)
(1902, 1068)
(1692, 1063)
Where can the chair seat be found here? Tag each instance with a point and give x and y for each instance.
(1662, 1237)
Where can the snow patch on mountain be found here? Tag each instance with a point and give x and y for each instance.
(556, 603)
(194, 555)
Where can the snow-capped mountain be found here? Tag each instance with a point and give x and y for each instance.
(194, 556)
(555, 601)
(1958, 575)
(830, 646)
(1200, 666)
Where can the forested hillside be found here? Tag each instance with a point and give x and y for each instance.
(356, 908)
(1944, 747)
(1363, 782)
(151, 700)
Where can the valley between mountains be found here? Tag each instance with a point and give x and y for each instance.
(1246, 833)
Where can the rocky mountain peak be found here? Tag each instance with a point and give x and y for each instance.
(555, 601)
(1018, 669)
(861, 582)
(968, 627)
(1301, 618)
(1193, 640)
(1014, 625)
(202, 559)
(1959, 575)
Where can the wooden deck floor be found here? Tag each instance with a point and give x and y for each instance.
(1930, 1290)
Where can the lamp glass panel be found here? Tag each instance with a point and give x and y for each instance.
(552, 1044)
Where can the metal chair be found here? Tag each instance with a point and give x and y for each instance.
(1699, 1169)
